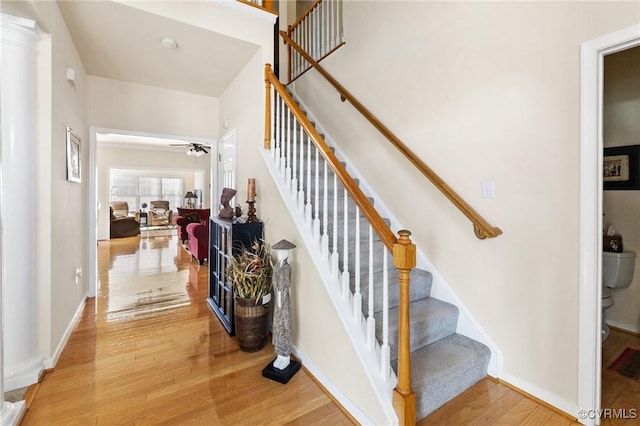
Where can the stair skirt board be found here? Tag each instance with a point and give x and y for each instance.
(444, 363)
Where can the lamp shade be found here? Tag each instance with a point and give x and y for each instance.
(190, 194)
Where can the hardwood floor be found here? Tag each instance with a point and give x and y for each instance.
(147, 350)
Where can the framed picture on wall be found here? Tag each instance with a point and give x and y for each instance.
(73, 156)
(620, 168)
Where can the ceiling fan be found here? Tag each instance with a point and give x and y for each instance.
(196, 149)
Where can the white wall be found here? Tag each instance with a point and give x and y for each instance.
(175, 164)
(117, 104)
(480, 91)
(114, 104)
(622, 127)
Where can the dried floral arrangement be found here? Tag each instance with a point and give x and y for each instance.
(250, 271)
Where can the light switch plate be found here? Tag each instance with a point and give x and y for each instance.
(487, 188)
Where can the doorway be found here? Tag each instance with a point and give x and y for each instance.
(226, 168)
(591, 148)
(97, 204)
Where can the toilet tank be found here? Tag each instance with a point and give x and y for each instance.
(618, 268)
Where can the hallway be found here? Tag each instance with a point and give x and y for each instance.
(147, 350)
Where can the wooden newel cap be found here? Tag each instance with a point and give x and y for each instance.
(404, 251)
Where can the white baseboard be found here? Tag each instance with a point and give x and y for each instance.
(51, 362)
(541, 394)
(25, 374)
(623, 326)
(334, 391)
(12, 414)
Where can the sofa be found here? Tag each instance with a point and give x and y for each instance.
(121, 225)
(187, 216)
(159, 213)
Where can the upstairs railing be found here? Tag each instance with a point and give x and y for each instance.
(481, 227)
(268, 5)
(331, 203)
(318, 31)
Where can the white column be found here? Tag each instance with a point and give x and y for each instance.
(20, 363)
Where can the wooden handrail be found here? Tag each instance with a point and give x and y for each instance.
(304, 15)
(481, 227)
(379, 226)
(267, 6)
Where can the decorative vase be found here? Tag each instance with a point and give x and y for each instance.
(251, 324)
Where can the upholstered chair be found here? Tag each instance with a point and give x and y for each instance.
(123, 226)
(187, 216)
(199, 240)
(159, 213)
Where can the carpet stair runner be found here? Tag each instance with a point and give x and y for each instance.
(444, 363)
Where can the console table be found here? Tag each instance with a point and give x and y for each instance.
(225, 240)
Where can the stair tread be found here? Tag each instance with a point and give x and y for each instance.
(431, 320)
(444, 369)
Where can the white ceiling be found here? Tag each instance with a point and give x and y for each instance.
(124, 43)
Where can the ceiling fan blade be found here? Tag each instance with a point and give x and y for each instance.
(180, 144)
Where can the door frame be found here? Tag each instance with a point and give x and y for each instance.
(592, 55)
(92, 232)
(217, 170)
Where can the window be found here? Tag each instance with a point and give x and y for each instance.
(136, 190)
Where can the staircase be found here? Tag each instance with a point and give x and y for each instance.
(444, 363)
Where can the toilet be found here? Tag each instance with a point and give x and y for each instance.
(617, 272)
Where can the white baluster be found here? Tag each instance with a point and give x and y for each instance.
(294, 155)
(326, 25)
(316, 221)
(287, 170)
(333, 23)
(282, 121)
(316, 25)
(335, 257)
(386, 351)
(272, 136)
(357, 297)
(302, 172)
(371, 321)
(320, 29)
(325, 220)
(340, 29)
(299, 58)
(345, 254)
(275, 154)
(308, 207)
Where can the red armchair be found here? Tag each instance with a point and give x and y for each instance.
(187, 216)
(199, 240)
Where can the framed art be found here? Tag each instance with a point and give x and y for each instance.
(73, 156)
(620, 168)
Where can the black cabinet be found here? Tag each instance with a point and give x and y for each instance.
(225, 240)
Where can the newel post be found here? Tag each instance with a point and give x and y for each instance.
(404, 400)
(267, 113)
